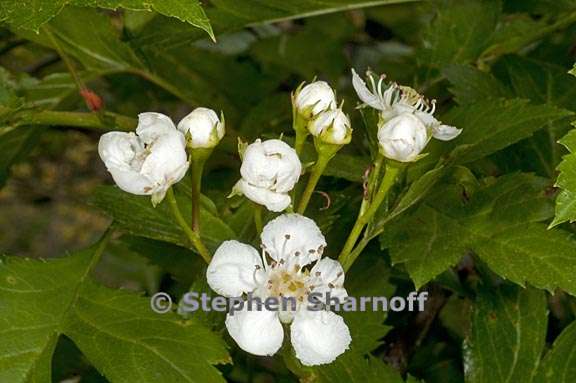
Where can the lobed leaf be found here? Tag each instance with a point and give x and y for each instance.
(116, 330)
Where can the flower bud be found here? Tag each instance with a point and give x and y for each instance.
(269, 170)
(402, 138)
(148, 162)
(202, 127)
(331, 126)
(314, 98)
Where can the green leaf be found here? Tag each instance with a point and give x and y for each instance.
(460, 31)
(113, 328)
(135, 215)
(33, 14)
(566, 200)
(41, 300)
(471, 85)
(559, 365)
(230, 15)
(369, 277)
(492, 125)
(88, 35)
(520, 30)
(29, 14)
(499, 222)
(538, 81)
(178, 261)
(353, 367)
(507, 335)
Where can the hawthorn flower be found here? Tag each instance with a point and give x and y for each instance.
(402, 138)
(313, 99)
(202, 128)
(396, 100)
(290, 244)
(269, 170)
(148, 162)
(331, 126)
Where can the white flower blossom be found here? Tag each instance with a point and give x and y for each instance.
(331, 126)
(402, 138)
(395, 100)
(314, 98)
(289, 244)
(269, 170)
(148, 162)
(202, 127)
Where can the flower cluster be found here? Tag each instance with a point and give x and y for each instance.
(290, 244)
(315, 105)
(154, 158)
(407, 121)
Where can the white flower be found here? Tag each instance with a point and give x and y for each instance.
(402, 138)
(396, 100)
(289, 243)
(314, 98)
(269, 170)
(331, 126)
(148, 162)
(202, 128)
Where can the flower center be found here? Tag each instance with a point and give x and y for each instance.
(284, 283)
(140, 155)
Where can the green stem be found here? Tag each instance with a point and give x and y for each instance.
(67, 62)
(78, 119)
(372, 179)
(197, 169)
(392, 171)
(258, 218)
(317, 171)
(192, 235)
(299, 125)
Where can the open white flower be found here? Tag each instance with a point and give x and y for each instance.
(290, 243)
(202, 127)
(148, 162)
(269, 170)
(332, 126)
(395, 100)
(314, 98)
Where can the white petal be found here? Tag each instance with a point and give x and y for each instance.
(319, 337)
(273, 201)
(293, 235)
(317, 95)
(168, 161)
(204, 128)
(133, 182)
(152, 125)
(445, 132)
(234, 269)
(271, 164)
(364, 94)
(327, 275)
(118, 149)
(403, 137)
(286, 162)
(257, 332)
